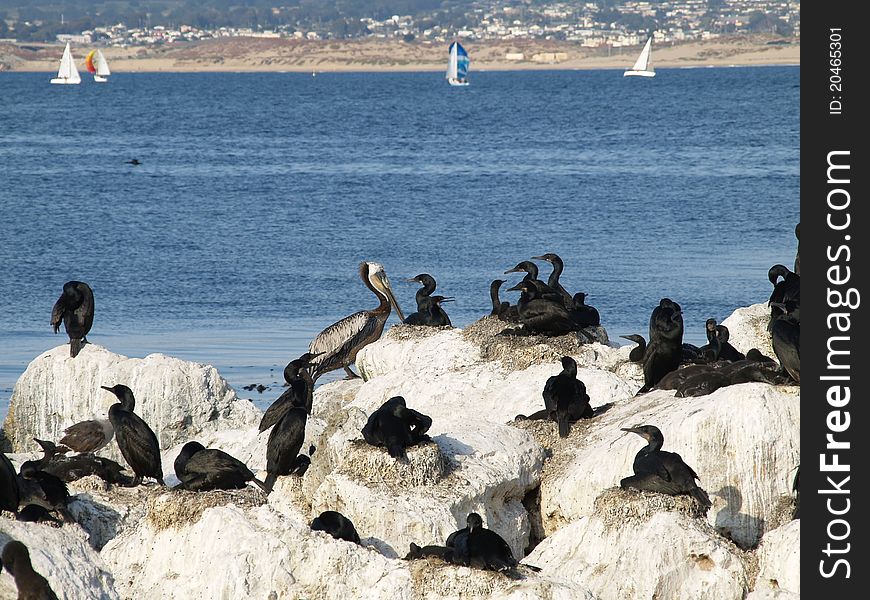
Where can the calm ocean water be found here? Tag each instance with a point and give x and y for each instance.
(239, 236)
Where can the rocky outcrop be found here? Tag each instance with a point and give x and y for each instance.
(180, 400)
(747, 327)
(779, 558)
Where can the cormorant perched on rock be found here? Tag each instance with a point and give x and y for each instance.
(200, 469)
(583, 314)
(88, 436)
(430, 551)
(565, 397)
(31, 585)
(10, 495)
(483, 548)
(531, 271)
(553, 280)
(44, 489)
(73, 468)
(75, 309)
(542, 315)
(337, 525)
(34, 513)
(665, 472)
(396, 427)
(717, 347)
(429, 312)
(636, 354)
(340, 342)
(299, 393)
(136, 440)
(503, 310)
(665, 349)
(785, 291)
(285, 441)
(785, 334)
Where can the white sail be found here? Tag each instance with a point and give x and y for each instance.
(641, 66)
(452, 62)
(101, 65)
(67, 73)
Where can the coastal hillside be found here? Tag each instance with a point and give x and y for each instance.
(282, 54)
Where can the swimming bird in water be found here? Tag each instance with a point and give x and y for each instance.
(337, 525)
(396, 427)
(565, 397)
(88, 436)
(299, 393)
(75, 309)
(31, 585)
(429, 312)
(134, 161)
(10, 495)
(200, 469)
(656, 470)
(285, 441)
(340, 342)
(542, 315)
(503, 310)
(665, 349)
(136, 440)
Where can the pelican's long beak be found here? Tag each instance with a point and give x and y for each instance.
(388, 290)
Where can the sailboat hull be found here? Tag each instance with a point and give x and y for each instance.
(99, 79)
(66, 81)
(457, 83)
(639, 74)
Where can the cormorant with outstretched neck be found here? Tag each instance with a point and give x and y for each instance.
(542, 315)
(429, 312)
(665, 349)
(656, 470)
(636, 354)
(285, 441)
(553, 280)
(337, 525)
(396, 427)
(503, 310)
(340, 342)
(200, 469)
(785, 333)
(299, 393)
(75, 309)
(136, 440)
(565, 397)
(31, 585)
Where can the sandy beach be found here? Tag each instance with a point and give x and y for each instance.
(256, 54)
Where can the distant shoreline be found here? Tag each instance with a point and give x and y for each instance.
(357, 56)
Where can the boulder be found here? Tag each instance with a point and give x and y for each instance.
(180, 400)
(747, 327)
(779, 558)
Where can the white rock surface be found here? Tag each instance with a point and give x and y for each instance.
(747, 327)
(61, 555)
(742, 440)
(780, 560)
(669, 556)
(180, 400)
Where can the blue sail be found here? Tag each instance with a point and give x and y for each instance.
(462, 61)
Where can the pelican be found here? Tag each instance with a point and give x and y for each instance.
(340, 342)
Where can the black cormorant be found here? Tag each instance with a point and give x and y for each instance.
(337, 525)
(136, 440)
(200, 469)
(299, 393)
(31, 585)
(75, 309)
(565, 397)
(396, 427)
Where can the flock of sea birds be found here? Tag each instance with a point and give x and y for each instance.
(38, 491)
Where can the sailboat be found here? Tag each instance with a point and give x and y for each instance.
(67, 73)
(96, 64)
(457, 65)
(642, 67)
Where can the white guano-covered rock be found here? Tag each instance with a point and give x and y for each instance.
(62, 555)
(779, 559)
(179, 399)
(662, 555)
(743, 441)
(747, 327)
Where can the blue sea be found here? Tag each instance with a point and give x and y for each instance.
(239, 236)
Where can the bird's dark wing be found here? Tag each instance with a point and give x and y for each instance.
(57, 314)
(549, 393)
(140, 442)
(651, 464)
(277, 409)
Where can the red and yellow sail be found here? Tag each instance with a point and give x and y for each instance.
(89, 61)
